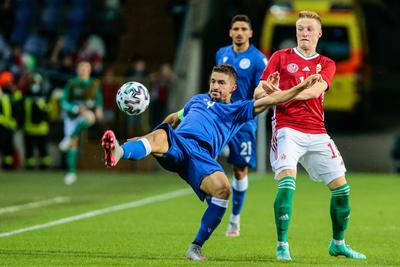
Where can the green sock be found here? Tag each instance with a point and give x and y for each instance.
(72, 160)
(340, 210)
(80, 127)
(283, 206)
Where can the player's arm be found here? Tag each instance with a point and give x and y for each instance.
(99, 104)
(65, 103)
(313, 92)
(174, 118)
(266, 87)
(279, 97)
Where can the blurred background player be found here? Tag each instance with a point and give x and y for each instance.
(36, 124)
(299, 135)
(10, 117)
(191, 149)
(82, 103)
(249, 64)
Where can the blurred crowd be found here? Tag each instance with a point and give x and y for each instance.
(41, 43)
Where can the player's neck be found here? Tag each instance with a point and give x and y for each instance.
(240, 48)
(306, 52)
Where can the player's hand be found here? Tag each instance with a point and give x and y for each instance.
(272, 83)
(274, 78)
(311, 80)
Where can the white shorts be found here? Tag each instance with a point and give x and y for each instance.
(317, 153)
(70, 125)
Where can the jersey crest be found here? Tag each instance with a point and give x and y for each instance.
(292, 67)
(244, 63)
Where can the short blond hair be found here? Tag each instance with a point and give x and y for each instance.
(310, 15)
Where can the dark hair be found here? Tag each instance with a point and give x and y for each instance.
(241, 17)
(226, 69)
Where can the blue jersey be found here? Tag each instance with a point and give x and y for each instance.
(249, 66)
(213, 123)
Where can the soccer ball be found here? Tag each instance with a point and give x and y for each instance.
(133, 98)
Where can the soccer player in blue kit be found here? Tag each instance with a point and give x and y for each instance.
(202, 129)
(249, 64)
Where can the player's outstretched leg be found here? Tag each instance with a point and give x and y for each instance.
(112, 150)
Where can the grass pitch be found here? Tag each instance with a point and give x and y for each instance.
(158, 232)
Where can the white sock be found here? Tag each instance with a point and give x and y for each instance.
(235, 218)
(279, 243)
(338, 242)
(240, 185)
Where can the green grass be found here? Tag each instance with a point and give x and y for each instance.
(158, 234)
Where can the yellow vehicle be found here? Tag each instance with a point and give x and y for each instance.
(343, 40)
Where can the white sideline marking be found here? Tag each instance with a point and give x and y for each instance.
(93, 213)
(33, 205)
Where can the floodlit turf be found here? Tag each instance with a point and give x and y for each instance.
(158, 234)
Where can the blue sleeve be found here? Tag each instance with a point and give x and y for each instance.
(245, 112)
(260, 66)
(187, 106)
(217, 56)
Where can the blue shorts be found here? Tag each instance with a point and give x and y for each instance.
(242, 146)
(189, 159)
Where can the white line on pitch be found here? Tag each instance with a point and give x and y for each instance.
(93, 213)
(33, 205)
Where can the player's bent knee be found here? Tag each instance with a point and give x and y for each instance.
(240, 171)
(337, 182)
(223, 191)
(285, 173)
(89, 117)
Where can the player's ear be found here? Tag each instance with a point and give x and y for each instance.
(250, 33)
(234, 86)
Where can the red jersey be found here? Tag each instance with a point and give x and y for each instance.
(306, 116)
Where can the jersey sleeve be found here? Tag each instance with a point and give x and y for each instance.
(245, 111)
(217, 56)
(262, 63)
(99, 97)
(328, 71)
(187, 106)
(272, 66)
(65, 104)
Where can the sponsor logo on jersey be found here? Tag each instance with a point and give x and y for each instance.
(292, 68)
(244, 63)
(306, 68)
(210, 104)
(225, 59)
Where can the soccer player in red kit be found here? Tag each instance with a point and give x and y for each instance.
(299, 135)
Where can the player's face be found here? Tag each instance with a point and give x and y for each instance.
(308, 31)
(240, 33)
(221, 87)
(84, 70)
